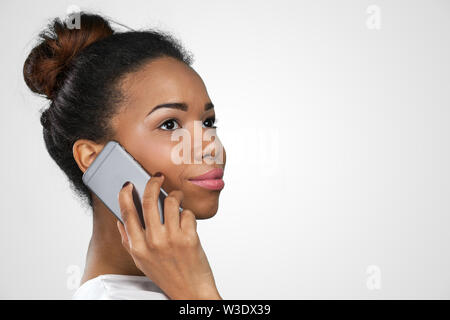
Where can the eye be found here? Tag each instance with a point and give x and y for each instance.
(210, 122)
(168, 125)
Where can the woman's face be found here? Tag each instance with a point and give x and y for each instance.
(146, 134)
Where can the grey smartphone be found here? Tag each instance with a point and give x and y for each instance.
(110, 170)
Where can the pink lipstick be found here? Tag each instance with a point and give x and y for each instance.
(210, 180)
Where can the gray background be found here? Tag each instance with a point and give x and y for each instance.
(337, 139)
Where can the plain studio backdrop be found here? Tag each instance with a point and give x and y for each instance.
(335, 118)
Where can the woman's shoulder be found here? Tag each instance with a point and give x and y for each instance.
(119, 287)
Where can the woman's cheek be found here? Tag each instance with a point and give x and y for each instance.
(158, 159)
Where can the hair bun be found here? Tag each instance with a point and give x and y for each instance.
(45, 68)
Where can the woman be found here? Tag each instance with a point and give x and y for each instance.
(137, 88)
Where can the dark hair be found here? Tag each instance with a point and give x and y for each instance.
(79, 71)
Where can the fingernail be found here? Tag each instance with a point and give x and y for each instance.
(125, 184)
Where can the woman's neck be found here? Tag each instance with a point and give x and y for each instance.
(106, 255)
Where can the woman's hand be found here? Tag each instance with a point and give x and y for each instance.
(170, 254)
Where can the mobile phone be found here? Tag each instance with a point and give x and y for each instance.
(110, 170)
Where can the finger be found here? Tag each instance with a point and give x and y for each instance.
(130, 217)
(150, 198)
(171, 212)
(123, 235)
(188, 221)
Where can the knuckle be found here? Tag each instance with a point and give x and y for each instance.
(170, 200)
(150, 191)
(148, 200)
(172, 240)
(138, 250)
(157, 244)
(134, 251)
(191, 239)
(188, 214)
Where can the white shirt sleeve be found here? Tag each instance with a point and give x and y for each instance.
(119, 287)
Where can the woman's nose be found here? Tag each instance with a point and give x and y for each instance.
(206, 146)
(213, 151)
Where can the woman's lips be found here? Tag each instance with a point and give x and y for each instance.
(212, 184)
(216, 173)
(210, 180)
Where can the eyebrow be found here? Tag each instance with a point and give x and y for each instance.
(180, 106)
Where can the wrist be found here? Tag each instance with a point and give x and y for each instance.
(212, 294)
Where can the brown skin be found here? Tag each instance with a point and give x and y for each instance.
(161, 81)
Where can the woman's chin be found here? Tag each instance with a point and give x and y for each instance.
(203, 209)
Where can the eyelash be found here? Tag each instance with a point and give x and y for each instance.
(173, 119)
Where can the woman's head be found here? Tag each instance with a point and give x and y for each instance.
(103, 85)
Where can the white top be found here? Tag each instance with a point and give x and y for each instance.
(119, 287)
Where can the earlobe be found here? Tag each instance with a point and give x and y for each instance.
(84, 152)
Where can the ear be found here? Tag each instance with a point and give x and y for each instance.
(85, 151)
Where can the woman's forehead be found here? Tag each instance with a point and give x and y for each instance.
(163, 78)
(161, 81)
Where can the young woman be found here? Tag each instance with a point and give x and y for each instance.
(137, 88)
